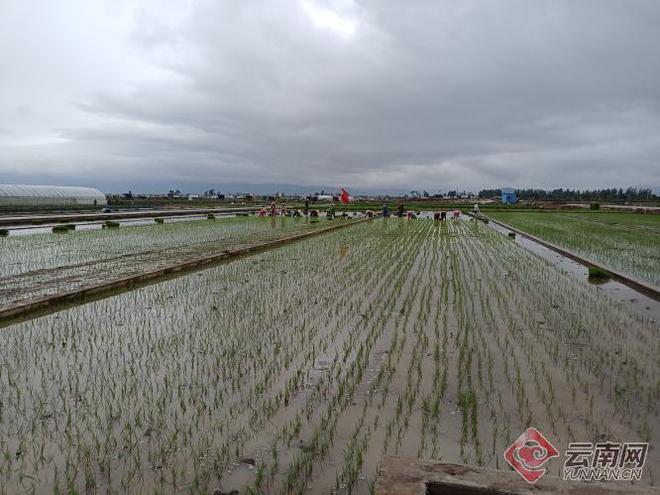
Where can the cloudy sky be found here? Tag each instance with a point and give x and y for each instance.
(370, 94)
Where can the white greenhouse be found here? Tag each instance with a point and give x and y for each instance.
(15, 195)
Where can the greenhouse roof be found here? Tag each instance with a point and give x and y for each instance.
(31, 191)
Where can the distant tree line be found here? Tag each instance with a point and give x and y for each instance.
(561, 194)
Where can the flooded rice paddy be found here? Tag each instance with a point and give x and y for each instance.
(613, 288)
(296, 370)
(628, 242)
(44, 264)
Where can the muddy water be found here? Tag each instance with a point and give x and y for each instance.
(618, 290)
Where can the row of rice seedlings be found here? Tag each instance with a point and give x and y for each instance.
(300, 471)
(412, 315)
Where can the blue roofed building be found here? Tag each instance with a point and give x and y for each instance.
(509, 196)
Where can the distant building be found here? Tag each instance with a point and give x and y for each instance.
(509, 196)
(16, 195)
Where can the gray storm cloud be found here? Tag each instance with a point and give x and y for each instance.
(374, 95)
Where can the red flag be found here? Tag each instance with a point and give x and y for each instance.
(344, 196)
